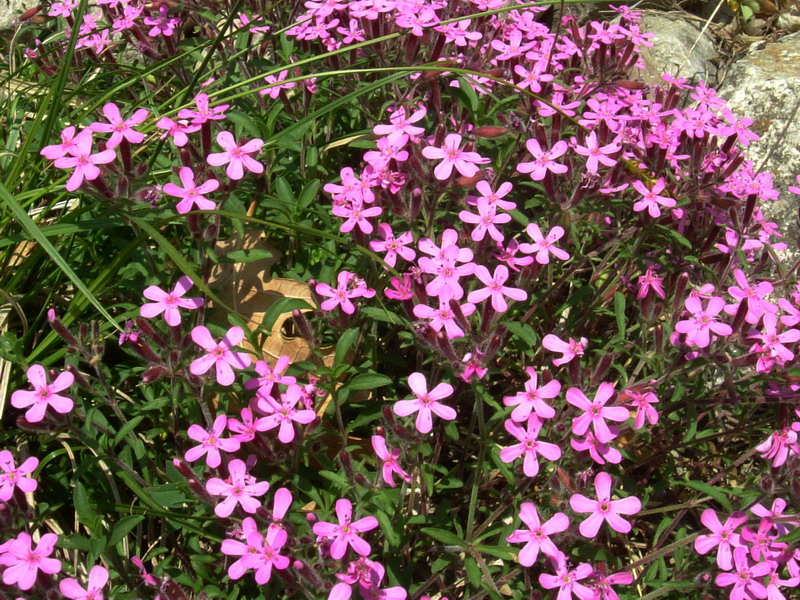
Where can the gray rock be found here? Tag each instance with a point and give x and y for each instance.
(11, 9)
(765, 86)
(681, 48)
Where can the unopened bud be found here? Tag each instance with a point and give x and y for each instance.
(489, 131)
(154, 373)
(60, 328)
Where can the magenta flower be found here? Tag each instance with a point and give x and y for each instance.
(599, 452)
(776, 447)
(795, 189)
(485, 221)
(604, 508)
(537, 536)
(356, 216)
(402, 124)
(203, 113)
(270, 376)
(211, 442)
(642, 402)
(595, 412)
(757, 304)
(16, 477)
(444, 317)
(651, 200)
(240, 488)
(284, 413)
(219, 354)
(79, 157)
(98, 577)
(168, 303)
(344, 533)
(425, 403)
(603, 583)
(568, 350)
(529, 446)
(275, 90)
(235, 156)
(495, 288)
(566, 580)
(393, 246)
(597, 153)
(745, 580)
(452, 156)
(388, 457)
(162, 24)
(543, 161)
(43, 395)
(55, 151)
(349, 286)
(492, 197)
(247, 428)
(650, 281)
(533, 398)
(702, 322)
(191, 195)
(176, 130)
(24, 563)
(120, 128)
(258, 552)
(544, 246)
(722, 537)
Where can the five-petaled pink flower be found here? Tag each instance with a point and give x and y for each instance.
(24, 562)
(191, 194)
(120, 128)
(425, 403)
(596, 412)
(722, 537)
(55, 151)
(451, 156)
(16, 477)
(168, 303)
(597, 153)
(495, 288)
(642, 402)
(388, 457)
(235, 156)
(219, 354)
(258, 552)
(698, 328)
(204, 112)
(651, 200)
(533, 398)
(43, 395)
(529, 446)
(283, 413)
(604, 508)
(348, 286)
(542, 245)
(98, 577)
(537, 536)
(345, 533)
(240, 488)
(394, 246)
(486, 220)
(745, 580)
(270, 376)
(566, 580)
(543, 160)
(568, 350)
(79, 156)
(211, 442)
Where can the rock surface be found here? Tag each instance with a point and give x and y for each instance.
(11, 9)
(680, 48)
(765, 86)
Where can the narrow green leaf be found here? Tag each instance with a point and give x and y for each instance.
(368, 381)
(619, 312)
(716, 493)
(344, 345)
(123, 528)
(445, 537)
(246, 256)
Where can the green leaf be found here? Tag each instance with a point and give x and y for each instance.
(246, 256)
(83, 508)
(368, 381)
(524, 332)
(381, 314)
(444, 536)
(619, 312)
(344, 345)
(473, 571)
(709, 490)
(123, 528)
(127, 428)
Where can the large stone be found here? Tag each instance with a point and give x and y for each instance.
(11, 9)
(765, 86)
(680, 48)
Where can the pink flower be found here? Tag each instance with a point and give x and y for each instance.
(568, 350)
(425, 403)
(722, 536)
(537, 536)
(795, 189)
(247, 428)
(389, 458)
(604, 509)
(16, 477)
(495, 288)
(284, 413)
(24, 562)
(452, 156)
(532, 399)
(98, 577)
(529, 446)
(210, 442)
(566, 580)
(757, 304)
(356, 215)
(745, 580)
(642, 403)
(219, 354)
(595, 412)
(492, 197)
(599, 452)
(349, 286)
(240, 488)
(444, 317)
(544, 246)
(401, 124)
(235, 156)
(393, 246)
(191, 195)
(204, 112)
(702, 321)
(176, 130)
(776, 447)
(168, 303)
(543, 160)
(43, 395)
(603, 583)
(85, 163)
(344, 534)
(276, 86)
(652, 200)
(485, 221)
(162, 24)
(55, 151)
(120, 128)
(259, 552)
(597, 153)
(650, 281)
(270, 376)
